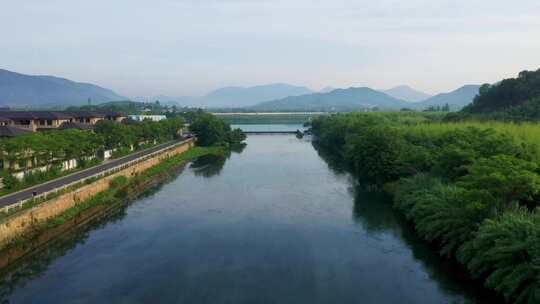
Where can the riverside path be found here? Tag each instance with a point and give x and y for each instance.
(28, 193)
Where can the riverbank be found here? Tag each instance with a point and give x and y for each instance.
(27, 231)
(471, 190)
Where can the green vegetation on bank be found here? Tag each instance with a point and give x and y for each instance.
(211, 131)
(120, 185)
(473, 189)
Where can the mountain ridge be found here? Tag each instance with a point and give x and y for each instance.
(354, 98)
(456, 99)
(23, 90)
(405, 92)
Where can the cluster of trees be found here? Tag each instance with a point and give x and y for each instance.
(472, 191)
(438, 108)
(211, 130)
(119, 136)
(52, 147)
(513, 99)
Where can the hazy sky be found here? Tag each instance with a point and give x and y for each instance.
(188, 47)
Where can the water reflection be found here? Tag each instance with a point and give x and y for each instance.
(35, 264)
(212, 164)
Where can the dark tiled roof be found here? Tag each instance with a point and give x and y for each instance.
(84, 114)
(53, 115)
(76, 125)
(18, 115)
(113, 114)
(10, 131)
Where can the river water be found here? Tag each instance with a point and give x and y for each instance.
(273, 223)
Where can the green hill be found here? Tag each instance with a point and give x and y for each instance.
(351, 99)
(512, 99)
(509, 93)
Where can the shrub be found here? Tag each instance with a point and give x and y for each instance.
(506, 250)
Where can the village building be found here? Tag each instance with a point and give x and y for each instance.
(48, 120)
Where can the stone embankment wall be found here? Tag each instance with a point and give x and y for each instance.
(26, 220)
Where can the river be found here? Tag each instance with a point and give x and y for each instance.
(273, 223)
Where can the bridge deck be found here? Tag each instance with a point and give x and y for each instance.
(269, 132)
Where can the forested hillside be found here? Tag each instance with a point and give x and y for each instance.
(513, 99)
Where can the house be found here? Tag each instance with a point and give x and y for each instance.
(5, 122)
(34, 120)
(114, 116)
(85, 117)
(47, 120)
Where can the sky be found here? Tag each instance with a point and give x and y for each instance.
(190, 47)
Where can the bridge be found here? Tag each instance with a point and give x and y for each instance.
(268, 132)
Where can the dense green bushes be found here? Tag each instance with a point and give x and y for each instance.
(210, 131)
(472, 190)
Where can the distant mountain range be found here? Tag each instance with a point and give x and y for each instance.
(406, 93)
(20, 90)
(337, 100)
(353, 99)
(233, 97)
(456, 99)
(237, 97)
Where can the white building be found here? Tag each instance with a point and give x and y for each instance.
(148, 117)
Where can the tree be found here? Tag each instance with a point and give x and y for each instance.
(211, 130)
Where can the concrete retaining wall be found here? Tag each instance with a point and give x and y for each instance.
(26, 220)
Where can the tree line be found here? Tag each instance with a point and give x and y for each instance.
(472, 191)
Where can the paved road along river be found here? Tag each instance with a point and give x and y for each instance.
(60, 182)
(272, 224)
